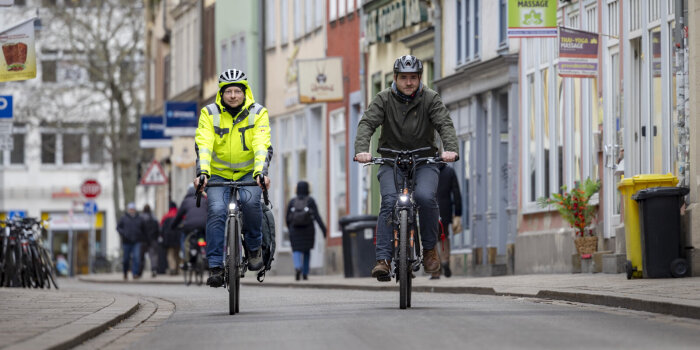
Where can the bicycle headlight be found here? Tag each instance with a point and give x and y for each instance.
(232, 206)
(403, 198)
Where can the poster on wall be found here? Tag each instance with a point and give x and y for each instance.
(578, 53)
(532, 18)
(320, 80)
(18, 53)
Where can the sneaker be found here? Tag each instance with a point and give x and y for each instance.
(216, 277)
(381, 270)
(298, 274)
(255, 261)
(431, 260)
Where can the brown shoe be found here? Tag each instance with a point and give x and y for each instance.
(381, 270)
(431, 260)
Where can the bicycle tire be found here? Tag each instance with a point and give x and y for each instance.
(403, 259)
(232, 261)
(38, 266)
(199, 269)
(49, 268)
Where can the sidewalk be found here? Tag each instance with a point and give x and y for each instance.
(57, 319)
(673, 296)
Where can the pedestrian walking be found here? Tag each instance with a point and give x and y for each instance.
(131, 230)
(450, 201)
(152, 231)
(302, 212)
(171, 239)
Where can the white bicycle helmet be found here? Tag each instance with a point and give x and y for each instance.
(408, 64)
(231, 76)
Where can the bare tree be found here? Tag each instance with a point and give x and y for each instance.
(105, 38)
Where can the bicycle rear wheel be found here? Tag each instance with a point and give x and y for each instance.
(199, 269)
(404, 270)
(232, 262)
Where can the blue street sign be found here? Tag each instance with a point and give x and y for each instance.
(6, 107)
(16, 214)
(180, 118)
(152, 132)
(90, 207)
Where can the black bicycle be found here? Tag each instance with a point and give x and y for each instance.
(195, 258)
(24, 260)
(407, 250)
(235, 249)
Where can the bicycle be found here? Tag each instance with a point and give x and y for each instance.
(24, 260)
(407, 253)
(235, 249)
(194, 254)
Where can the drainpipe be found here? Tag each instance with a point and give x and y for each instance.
(261, 47)
(437, 56)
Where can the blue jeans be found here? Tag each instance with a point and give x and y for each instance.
(218, 199)
(301, 261)
(425, 189)
(132, 250)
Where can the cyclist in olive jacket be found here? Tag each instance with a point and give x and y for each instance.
(409, 114)
(233, 143)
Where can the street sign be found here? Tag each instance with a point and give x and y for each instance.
(90, 188)
(180, 118)
(154, 175)
(6, 107)
(90, 207)
(16, 214)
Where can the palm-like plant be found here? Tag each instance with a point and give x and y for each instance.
(574, 206)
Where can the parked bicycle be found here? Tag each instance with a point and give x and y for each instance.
(195, 262)
(235, 249)
(407, 253)
(24, 260)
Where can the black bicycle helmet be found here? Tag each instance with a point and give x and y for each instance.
(408, 64)
(231, 76)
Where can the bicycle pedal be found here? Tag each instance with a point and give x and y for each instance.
(385, 278)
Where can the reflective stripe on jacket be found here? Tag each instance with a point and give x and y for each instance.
(232, 146)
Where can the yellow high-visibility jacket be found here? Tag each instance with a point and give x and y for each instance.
(232, 146)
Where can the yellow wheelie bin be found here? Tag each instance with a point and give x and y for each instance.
(633, 243)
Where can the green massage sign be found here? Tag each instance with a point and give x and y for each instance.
(532, 18)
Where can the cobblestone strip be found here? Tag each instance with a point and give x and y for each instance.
(152, 312)
(78, 330)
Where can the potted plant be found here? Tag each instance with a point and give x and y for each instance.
(574, 207)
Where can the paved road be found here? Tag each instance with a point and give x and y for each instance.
(290, 318)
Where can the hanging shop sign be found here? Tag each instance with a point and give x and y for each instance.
(18, 53)
(532, 18)
(180, 118)
(389, 18)
(578, 53)
(153, 132)
(320, 80)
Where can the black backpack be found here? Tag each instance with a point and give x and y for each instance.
(301, 214)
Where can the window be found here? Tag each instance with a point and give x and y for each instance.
(284, 22)
(332, 10)
(17, 153)
(351, 6)
(166, 77)
(48, 148)
(613, 17)
(270, 23)
(96, 148)
(503, 22)
(298, 27)
(48, 71)
(308, 18)
(467, 30)
(388, 79)
(320, 13)
(341, 8)
(72, 148)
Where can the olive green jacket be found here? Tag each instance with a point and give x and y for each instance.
(407, 125)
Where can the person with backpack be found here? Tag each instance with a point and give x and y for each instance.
(171, 239)
(301, 214)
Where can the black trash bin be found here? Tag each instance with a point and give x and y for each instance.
(358, 244)
(663, 251)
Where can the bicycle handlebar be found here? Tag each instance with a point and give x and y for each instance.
(232, 184)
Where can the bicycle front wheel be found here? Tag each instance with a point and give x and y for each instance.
(232, 261)
(404, 270)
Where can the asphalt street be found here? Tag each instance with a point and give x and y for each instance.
(292, 318)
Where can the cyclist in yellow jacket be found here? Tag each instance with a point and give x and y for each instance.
(233, 143)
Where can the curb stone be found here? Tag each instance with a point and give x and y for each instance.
(80, 330)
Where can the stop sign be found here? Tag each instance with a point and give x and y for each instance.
(90, 188)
